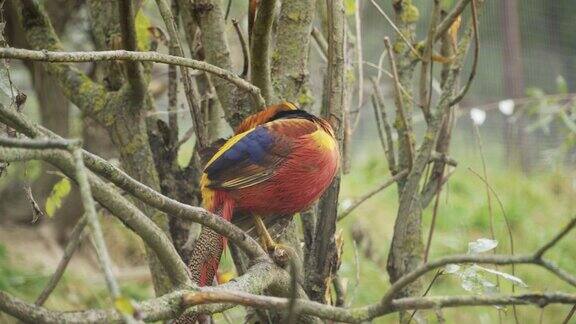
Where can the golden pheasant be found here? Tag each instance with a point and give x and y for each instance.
(279, 162)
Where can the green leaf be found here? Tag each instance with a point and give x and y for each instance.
(60, 190)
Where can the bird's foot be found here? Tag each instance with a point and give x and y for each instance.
(280, 253)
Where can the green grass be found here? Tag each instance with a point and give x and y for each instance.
(537, 206)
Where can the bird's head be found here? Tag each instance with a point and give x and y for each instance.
(264, 116)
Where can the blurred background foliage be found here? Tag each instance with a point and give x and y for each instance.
(530, 157)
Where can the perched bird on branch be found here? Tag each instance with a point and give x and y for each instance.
(279, 162)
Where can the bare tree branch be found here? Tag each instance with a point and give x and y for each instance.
(261, 46)
(445, 24)
(76, 237)
(133, 68)
(396, 29)
(191, 94)
(144, 193)
(382, 117)
(320, 40)
(152, 235)
(209, 16)
(557, 238)
(93, 222)
(48, 56)
(75, 84)
(464, 90)
(259, 277)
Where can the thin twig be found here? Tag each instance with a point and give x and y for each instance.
(320, 41)
(434, 215)
(399, 101)
(570, 314)
(173, 87)
(360, 68)
(40, 144)
(94, 223)
(376, 107)
(445, 24)
(463, 92)
(436, 276)
(488, 198)
(402, 36)
(228, 7)
(359, 201)
(77, 236)
(189, 90)
(380, 109)
(292, 307)
(567, 228)
(47, 56)
(427, 54)
(504, 216)
(245, 51)
(380, 68)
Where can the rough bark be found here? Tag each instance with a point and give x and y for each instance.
(323, 252)
(261, 46)
(290, 56)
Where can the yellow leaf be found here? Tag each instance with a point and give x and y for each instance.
(60, 190)
(142, 23)
(453, 31)
(349, 7)
(224, 277)
(124, 305)
(441, 59)
(50, 207)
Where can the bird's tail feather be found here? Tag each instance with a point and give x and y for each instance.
(205, 258)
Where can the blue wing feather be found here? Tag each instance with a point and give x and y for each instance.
(253, 157)
(252, 148)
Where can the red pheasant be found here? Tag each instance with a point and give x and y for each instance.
(279, 162)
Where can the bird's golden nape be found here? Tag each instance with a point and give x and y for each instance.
(261, 171)
(264, 116)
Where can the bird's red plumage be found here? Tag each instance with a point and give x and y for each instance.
(281, 165)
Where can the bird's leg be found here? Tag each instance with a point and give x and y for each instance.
(265, 237)
(280, 253)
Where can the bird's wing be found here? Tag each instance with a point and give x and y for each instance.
(254, 156)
